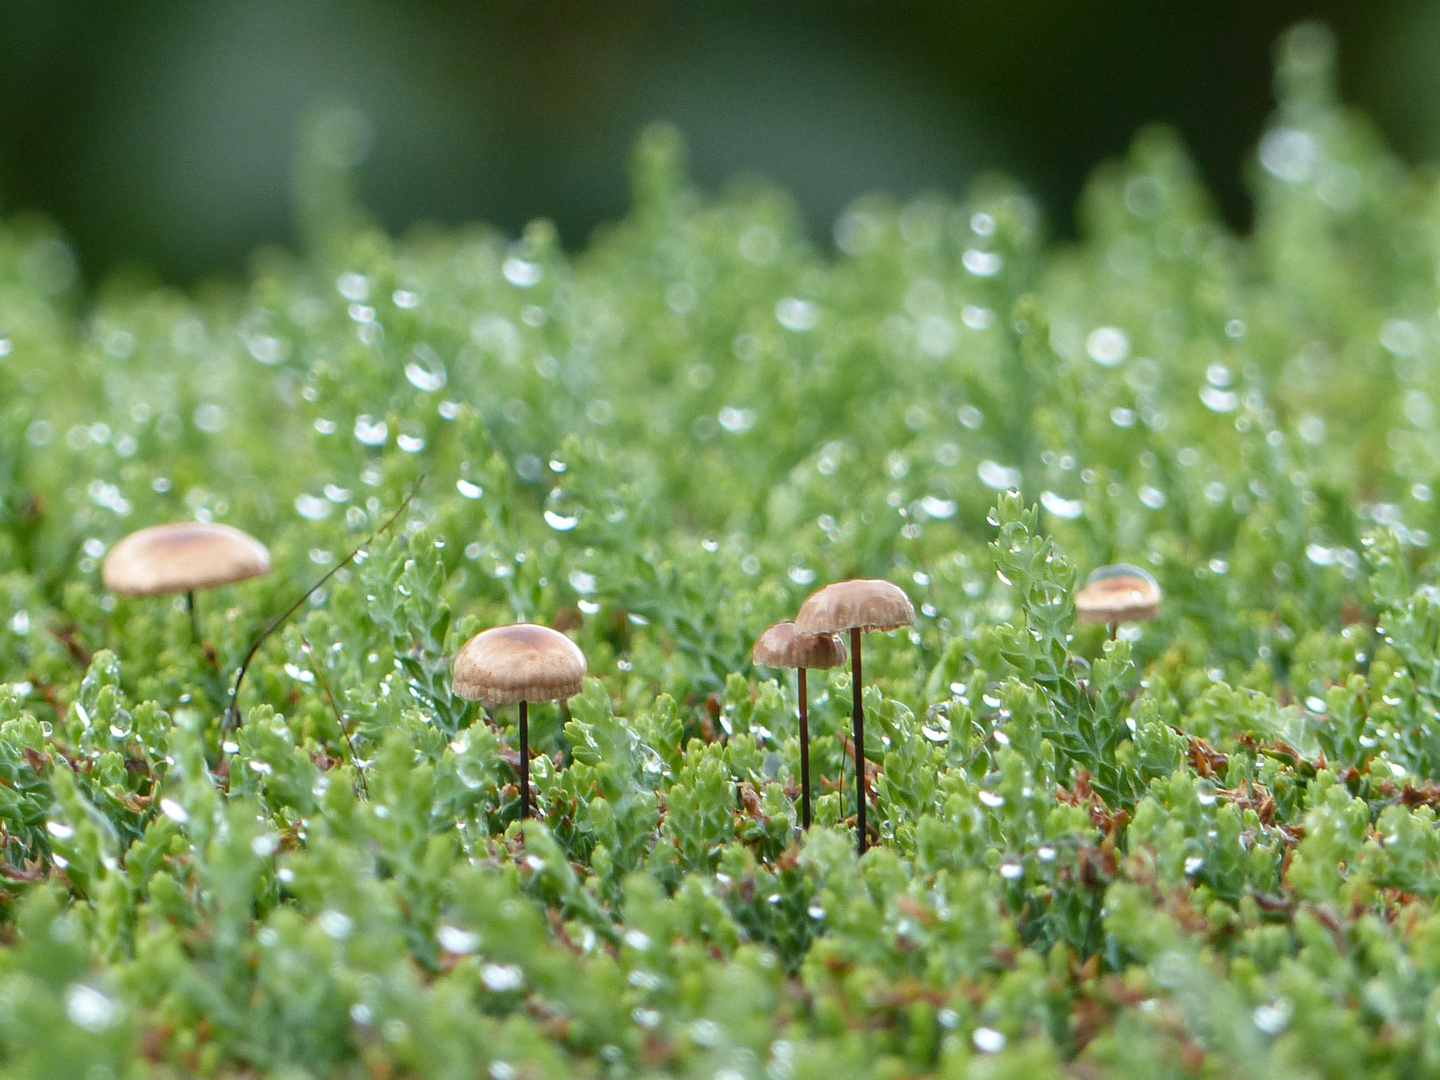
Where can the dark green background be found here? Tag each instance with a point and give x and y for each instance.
(163, 131)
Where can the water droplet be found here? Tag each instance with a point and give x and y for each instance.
(312, 507)
(1107, 346)
(210, 418)
(997, 477)
(988, 1040)
(797, 315)
(89, 1009)
(352, 286)
(1011, 870)
(470, 772)
(938, 508)
(502, 978)
(1061, 507)
(1220, 401)
(1289, 155)
(336, 924)
(370, 431)
(982, 263)
(1273, 1019)
(522, 273)
(562, 511)
(426, 371)
(1193, 864)
(455, 940)
(59, 830)
(1205, 792)
(990, 798)
(737, 421)
(800, 575)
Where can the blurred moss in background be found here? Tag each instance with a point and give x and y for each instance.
(163, 132)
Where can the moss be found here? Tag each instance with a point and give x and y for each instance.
(1204, 848)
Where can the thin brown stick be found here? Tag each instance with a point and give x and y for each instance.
(231, 711)
(361, 787)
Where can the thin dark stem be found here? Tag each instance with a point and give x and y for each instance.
(339, 718)
(859, 713)
(804, 751)
(524, 760)
(1114, 629)
(194, 616)
(231, 712)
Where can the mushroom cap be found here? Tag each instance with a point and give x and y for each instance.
(183, 556)
(865, 604)
(783, 646)
(1118, 593)
(523, 662)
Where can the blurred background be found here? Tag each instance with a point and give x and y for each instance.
(163, 132)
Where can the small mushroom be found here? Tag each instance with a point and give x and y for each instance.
(182, 557)
(520, 663)
(783, 646)
(1116, 594)
(856, 606)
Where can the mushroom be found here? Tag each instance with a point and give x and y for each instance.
(1116, 594)
(856, 606)
(520, 663)
(783, 646)
(182, 557)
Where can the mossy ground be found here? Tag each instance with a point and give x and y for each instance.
(1208, 848)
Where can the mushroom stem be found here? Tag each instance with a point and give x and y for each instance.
(859, 715)
(804, 750)
(1114, 629)
(524, 760)
(194, 615)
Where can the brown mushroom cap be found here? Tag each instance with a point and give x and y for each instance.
(523, 662)
(783, 646)
(1116, 594)
(183, 556)
(865, 604)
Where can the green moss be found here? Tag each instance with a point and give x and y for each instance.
(1207, 848)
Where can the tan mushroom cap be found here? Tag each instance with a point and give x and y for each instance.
(1116, 594)
(183, 556)
(864, 604)
(783, 646)
(523, 662)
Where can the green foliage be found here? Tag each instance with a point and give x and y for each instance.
(1207, 847)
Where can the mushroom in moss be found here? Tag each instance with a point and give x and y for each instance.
(520, 663)
(856, 606)
(1116, 594)
(183, 557)
(783, 646)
